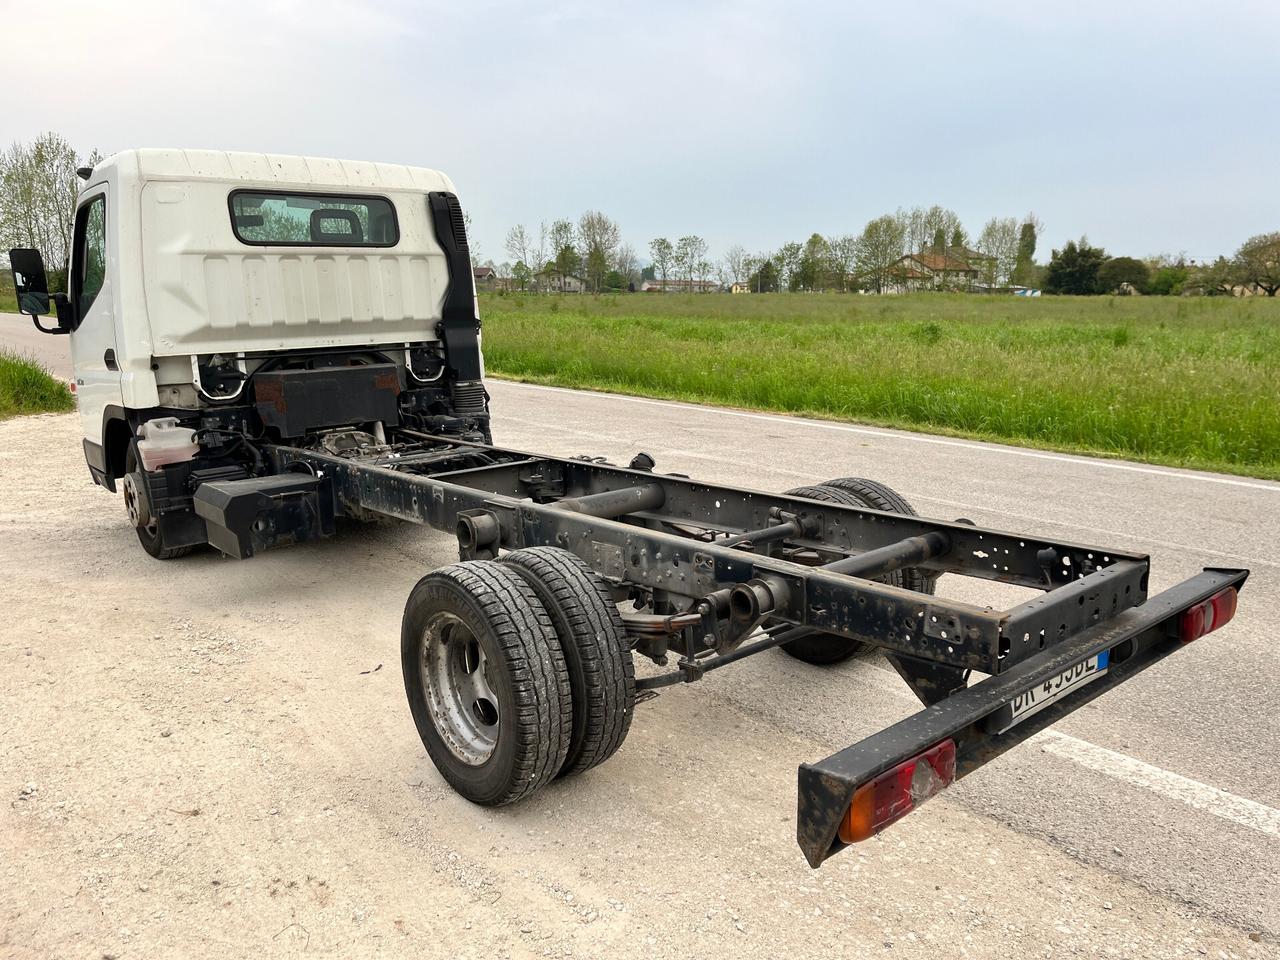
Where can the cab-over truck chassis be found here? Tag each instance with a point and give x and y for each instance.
(518, 660)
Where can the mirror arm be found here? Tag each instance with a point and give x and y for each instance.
(60, 304)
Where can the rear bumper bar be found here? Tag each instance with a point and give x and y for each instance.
(1135, 639)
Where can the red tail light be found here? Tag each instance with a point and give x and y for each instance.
(895, 793)
(1207, 616)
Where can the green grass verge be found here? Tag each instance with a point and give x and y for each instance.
(26, 386)
(1179, 381)
(8, 301)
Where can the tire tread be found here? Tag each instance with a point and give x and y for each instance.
(595, 647)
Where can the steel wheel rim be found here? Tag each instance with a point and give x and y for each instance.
(136, 505)
(454, 671)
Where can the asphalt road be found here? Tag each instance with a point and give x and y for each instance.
(1170, 784)
(19, 334)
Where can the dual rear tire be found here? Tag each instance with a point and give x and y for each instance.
(516, 671)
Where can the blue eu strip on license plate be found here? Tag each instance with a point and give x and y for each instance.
(1042, 695)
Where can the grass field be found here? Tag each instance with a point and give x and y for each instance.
(27, 387)
(1182, 381)
(8, 300)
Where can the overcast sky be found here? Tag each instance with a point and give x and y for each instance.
(1152, 127)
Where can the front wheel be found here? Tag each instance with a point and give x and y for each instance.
(137, 503)
(486, 681)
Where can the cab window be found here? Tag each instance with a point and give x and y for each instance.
(89, 267)
(312, 219)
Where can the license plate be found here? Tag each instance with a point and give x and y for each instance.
(1055, 688)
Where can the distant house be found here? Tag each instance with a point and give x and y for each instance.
(974, 258)
(673, 285)
(486, 278)
(932, 271)
(554, 282)
(740, 286)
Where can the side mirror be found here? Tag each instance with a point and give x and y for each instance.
(33, 289)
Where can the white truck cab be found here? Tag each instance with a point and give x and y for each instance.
(214, 297)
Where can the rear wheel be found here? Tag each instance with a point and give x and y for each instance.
(879, 496)
(825, 648)
(137, 502)
(596, 652)
(486, 681)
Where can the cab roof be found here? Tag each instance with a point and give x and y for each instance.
(265, 168)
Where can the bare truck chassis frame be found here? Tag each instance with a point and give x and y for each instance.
(713, 573)
(718, 565)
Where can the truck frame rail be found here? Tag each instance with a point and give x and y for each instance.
(716, 573)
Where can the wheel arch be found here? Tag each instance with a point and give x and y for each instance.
(117, 434)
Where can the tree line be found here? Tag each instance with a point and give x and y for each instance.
(38, 189)
(591, 249)
(891, 254)
(1081, 269)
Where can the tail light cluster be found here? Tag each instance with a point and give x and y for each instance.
(896, 792)
(1207, 616)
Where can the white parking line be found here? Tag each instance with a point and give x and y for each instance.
(916, 438)
(1173, 786)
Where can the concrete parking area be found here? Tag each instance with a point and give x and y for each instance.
(210, 758)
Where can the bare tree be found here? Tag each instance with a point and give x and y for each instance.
(663, 255)
(940, 220)
(538, 251)
(999, 242)
(626, 262)
(518, 243)
(922, 225)
(916, 236)
(690, 252)
(879, 248)
(736, 263)
(842, 253)
(473, 246)
(598, 239)
(564, 254)
(38, 192)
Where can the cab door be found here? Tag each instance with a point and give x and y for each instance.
(93, 338)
